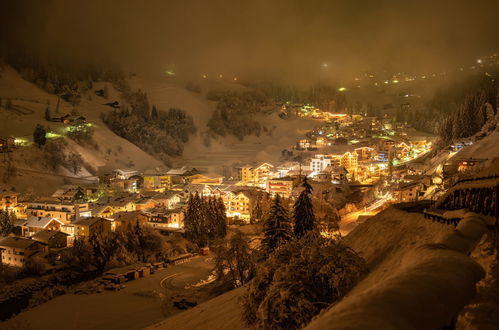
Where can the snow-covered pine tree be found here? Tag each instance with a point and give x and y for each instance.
(221, 218)
(276, 228)
(48, 117)
(191, 220)
(211, 217)
(304, 218)
(154, 112)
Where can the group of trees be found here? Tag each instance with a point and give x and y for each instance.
(300, 271)
(300, 279)
(81, 133)
(160, 133)
(55, 156)
(205, 219)
(279, 228)
(471, 116)
(6, 223)
(459, 110)
(235, 112)
(128, 244)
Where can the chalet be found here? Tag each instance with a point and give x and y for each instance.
(124, 174)
(144, 203)
(168, 199)
(35, 224)
(130, 185)
(53, 239)
(16, 251)
(201, 189)
(179, 175)
(87, 227)
(121, 219)
(7, 144)
(102, 211)
(69, 193)
(126, 204)
(160, 218)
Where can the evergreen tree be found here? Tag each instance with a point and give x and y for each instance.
(304, 217)
(58, 103)
(194, 224)
(221, 218)
(47, 114)
(154, 112)
(105, 93)
(6, 223)
(211, 217)
(277, 228)
(39, 135)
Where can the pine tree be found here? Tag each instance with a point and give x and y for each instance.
(39, 135)
(221, 218)
(48, 117)
(154, 112)
(304, 217)
(58, 103)
(190, 219)
(210, 218)
(6, 223)
(277, 228)
(194, 221)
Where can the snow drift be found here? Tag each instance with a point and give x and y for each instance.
(426, 291)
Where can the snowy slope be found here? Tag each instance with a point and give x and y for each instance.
(422, 288)
(31, 102)
(167, 93)
(222, 312)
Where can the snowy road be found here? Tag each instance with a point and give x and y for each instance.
(350, 221)
(138, 305)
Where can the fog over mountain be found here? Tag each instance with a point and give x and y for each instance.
(293, 40)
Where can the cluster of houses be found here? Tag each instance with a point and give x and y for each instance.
(156, 198)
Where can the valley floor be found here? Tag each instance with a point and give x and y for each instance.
(141, 303)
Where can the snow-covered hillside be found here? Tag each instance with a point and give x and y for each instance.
(29, 104)
(167, 93)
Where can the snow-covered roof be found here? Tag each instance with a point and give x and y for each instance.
(40, 222)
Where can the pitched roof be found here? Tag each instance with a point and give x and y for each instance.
(17, 242)
(46, 235)
(40, 222)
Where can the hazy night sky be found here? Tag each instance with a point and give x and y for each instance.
(285, 38)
